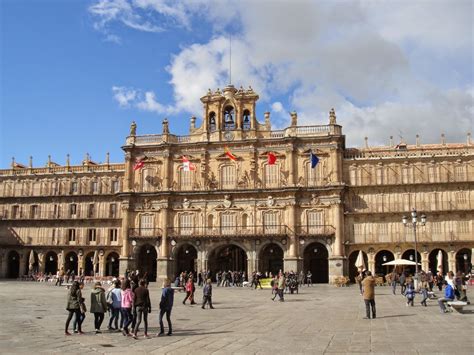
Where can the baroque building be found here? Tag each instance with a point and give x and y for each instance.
(213, 200)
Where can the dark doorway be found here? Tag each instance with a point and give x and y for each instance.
(112, 265)
(463, 261)
(51, 263)
(316, 260)
(71, 262)
(89, 265)
(410, 255)
(271, 259)
(229, 257)
(382, 257)
(186, 259)
(433, 262)
(353, 270)
(147, 261)
(13, 265)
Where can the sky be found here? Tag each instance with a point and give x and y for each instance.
(74, 74)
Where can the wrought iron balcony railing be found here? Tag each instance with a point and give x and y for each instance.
(315, 229)
(235, 231)
(145, 232)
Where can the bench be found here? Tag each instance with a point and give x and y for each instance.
(456, 305)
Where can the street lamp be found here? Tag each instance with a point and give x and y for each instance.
(414, 223)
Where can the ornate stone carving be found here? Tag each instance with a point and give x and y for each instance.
(315, 199)
(270, 201)
(133, 129)
(186, 203)
(227, 201)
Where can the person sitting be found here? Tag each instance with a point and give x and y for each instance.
(448, 297)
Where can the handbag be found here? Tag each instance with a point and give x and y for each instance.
(83, 307)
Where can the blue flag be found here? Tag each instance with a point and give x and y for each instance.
(314, 160)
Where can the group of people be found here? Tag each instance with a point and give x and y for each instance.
(128, 303)
(455, 288)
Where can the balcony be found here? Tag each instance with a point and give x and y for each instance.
(316, 230)
(226, 231)
(426, 206)
(145, 233)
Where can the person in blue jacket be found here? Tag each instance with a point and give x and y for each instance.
(448, 297)
(166, 305)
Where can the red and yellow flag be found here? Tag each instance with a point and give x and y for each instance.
(229, 154)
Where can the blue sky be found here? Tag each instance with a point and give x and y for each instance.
(74, 74)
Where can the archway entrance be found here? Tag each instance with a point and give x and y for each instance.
(112, 265)
(353, 271)
(433, 261)
(382, 257)
(316, 260)
(271, 259)
(13, 271)
(147, 261)
(51, 263)
(410, 255)
(463, 260)
(89, 265)
(229, 257)
(71, 262)
(186, 259)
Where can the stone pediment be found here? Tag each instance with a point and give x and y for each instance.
(179, 158)
(223, 156)
(264, 155)
(318, 152)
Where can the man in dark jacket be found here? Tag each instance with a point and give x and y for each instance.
(368, 286)
(207, 295)
(166, 305)
(142, 305)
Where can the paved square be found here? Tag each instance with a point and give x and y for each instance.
(321, 319)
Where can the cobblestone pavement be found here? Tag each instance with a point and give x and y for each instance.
(321, 319)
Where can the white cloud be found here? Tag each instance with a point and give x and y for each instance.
(277, 107)
(124, 96)
(129, 97)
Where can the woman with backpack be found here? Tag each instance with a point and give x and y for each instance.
(98, 305)
(73, 306)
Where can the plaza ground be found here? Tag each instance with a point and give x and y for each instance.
(321, 319)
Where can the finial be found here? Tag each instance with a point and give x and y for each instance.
(68, 163)
(49, 159)
(165, 126)
(209, 92)
(443, 139)
(267, 119)
(417, 140)
(332, 116)
(193, 122)
(391, 141)
(30, 165)
(13, 162)
(107, 158)
(468, 138)
(294, 119)
(133, 129)
(366, 142)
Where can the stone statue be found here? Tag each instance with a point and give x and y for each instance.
(133, 129)
(166, 129)
(332, 116)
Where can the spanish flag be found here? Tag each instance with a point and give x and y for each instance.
(229, 154)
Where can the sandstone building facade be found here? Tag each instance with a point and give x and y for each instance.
(241, 213)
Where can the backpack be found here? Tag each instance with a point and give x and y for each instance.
(108, 297)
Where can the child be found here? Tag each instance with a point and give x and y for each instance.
(410, 294)
(424, 292)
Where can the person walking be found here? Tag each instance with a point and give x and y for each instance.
(127, 303)
(424, 287)
(403, 280)
(207, 295)
(309, 279)
(98, 305)
(189, 291)
(410, 294)
(166, 305)
(143, 307)
(394, 280)
(83, 310)
(281, 287)
(116, 299)
(368, 286)
(73, 306)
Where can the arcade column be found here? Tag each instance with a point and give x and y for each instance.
(336, 260)
(163, 263)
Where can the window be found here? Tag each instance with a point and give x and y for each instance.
(186, 224)
(459, 172)
(407, 175)
(315, 175)
(463, 227)
(16, 212)
(148, 178)
(434, 201)
(115, 186)
(94, 187)
(246, 120)
(436, 227)
(315, 222)
(270, 222)
(113, 235)
(229, 122)
(245, 221)
(56, 211)
(352, 177)
(34, 211)
(91, 211)
(92, 235)
(359, 233)
(36, 189)
(113, 210)
(210, 222)
(74, 187)
(18, 188)
(228, 223)
(461, 198)
(185, 179)
(379, 176)
(383, 229)
(53, 237)
(271, 175)
(228, 177)
(146, 225)
(73, 210)
(71, 235)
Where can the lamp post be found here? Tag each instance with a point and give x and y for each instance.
(414, 223)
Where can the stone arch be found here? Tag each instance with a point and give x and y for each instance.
(185, 256)
(409, 254)
(13, 264)
(316, 260)
(353, 271)
(51, 263)
(271, 257)
(464, 260)
(229, 255)
(112, 264)
(433, 261)
(383, 256)
(147, 261)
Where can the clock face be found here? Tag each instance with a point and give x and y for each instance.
(229, 136)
